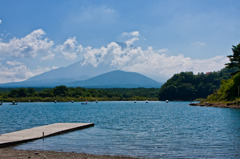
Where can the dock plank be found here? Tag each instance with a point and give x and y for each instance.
(35, 133)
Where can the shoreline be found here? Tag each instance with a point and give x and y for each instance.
(77, 101)
(217, 105)
(10, 153)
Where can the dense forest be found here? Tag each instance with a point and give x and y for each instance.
(228, 91)
(230, 88)
(187, 86)
(63, 93)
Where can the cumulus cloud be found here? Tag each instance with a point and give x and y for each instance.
(153, 63)
(161, 65)
(28, 46)
(0, 21)
(16, 71)
(69, 49)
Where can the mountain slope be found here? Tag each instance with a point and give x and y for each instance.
(118, 79)
(61, 76)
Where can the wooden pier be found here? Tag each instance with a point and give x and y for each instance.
(35, 133)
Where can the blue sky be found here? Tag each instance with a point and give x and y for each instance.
(169, 36)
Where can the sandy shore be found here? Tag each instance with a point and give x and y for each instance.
(8, 153)
(218, 105)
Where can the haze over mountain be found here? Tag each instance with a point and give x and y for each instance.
(62, 75)
(118, 79)
(78, 75)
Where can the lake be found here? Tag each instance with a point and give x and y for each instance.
(150, 130)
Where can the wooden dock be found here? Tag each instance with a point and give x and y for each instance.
(26, 135)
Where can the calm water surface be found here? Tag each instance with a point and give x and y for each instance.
(150, 130)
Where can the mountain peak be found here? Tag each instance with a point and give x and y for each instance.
(77, 75)
(118, 79)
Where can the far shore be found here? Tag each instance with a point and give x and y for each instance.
(233, 105)
(73, 101)
(9, 153)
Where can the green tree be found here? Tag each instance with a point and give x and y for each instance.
(46, 93)
(60, 91)
(31, 92)
(228, 90)
(22, 92)
(13, 93)
(234, 59)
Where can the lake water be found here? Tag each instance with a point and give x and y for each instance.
(149, 130)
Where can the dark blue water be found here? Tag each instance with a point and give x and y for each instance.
(150, 130)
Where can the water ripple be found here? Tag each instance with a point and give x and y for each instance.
(153, 130)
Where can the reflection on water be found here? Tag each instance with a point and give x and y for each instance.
(150, 130)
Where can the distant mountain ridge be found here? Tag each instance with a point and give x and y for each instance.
(118, 79)
(62, 76)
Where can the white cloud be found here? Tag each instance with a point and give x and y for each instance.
(153, 63)
(162, 50)
(161, 65)
(0, 21)
(29, 46)
(134, 33)
(48, 57)
(13, 63)
(69, 49)
(131, 41)
(16, 71)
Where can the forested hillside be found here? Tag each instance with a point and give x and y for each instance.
(187, 86)
(230, 89)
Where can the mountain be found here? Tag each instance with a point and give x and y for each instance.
(118, 79)
(113, 79)
(61, 76)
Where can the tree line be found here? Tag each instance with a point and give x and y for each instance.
(63, 93)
